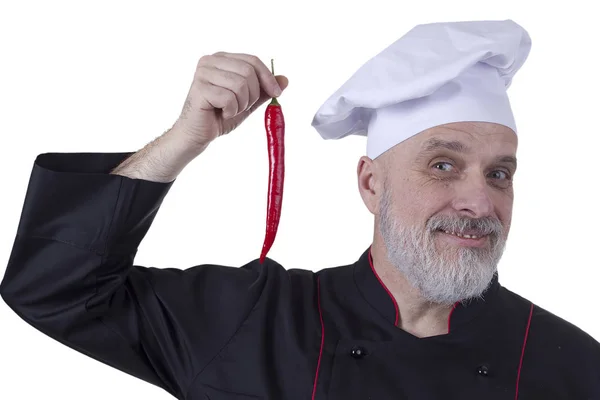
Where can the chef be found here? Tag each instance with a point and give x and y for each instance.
(421, 314)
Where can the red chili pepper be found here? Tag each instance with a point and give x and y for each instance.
(275, 127)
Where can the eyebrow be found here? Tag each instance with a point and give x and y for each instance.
(453, 145)
(458, 147)
(510, 160)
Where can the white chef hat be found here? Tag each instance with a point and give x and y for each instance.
(435, 74)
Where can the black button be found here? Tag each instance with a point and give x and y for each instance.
(483, 370)
(358, 352)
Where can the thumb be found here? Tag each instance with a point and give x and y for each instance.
(282, 80)
(264, 97)
(283, 84)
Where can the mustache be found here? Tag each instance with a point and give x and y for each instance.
(462, 225)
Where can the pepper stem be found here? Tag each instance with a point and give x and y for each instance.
(274, 99)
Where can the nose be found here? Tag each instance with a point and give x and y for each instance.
(473, 198)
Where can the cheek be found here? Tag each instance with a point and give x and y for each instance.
(503, 204)
(418, 202)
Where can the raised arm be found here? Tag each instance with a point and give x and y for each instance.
(71, 273)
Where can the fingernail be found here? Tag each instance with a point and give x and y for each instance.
(277, 90)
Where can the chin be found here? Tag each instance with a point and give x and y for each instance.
(448, 273)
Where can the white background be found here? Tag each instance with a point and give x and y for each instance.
(111, 76)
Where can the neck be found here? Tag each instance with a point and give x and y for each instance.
(417, 316)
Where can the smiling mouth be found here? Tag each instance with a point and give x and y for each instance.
(463, 235)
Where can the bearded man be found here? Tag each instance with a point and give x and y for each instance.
(420, 314)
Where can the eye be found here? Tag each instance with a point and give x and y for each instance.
(501, 179)
(443, 166)
(499, 174)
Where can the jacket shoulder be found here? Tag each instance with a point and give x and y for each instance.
(556, 337)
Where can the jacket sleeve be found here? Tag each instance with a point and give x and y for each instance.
(71, 275)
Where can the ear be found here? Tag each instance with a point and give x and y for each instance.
(369, 183)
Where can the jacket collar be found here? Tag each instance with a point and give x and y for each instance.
(376, 293)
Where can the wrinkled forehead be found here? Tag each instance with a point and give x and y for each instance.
(462, 136)
(476, 139)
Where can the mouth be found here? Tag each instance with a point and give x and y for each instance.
(465, 235)
(469, 238)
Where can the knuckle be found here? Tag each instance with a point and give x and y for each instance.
(238, 83)
(205, 59)
(204, 88)
(201, 70)
(255, 59)
(247, 70)
(201, 75)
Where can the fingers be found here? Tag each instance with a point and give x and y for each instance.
(283, 81)
(220, 98)
(233, 81)
(241, 69)
(267, 81)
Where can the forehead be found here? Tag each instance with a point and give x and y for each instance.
(470, 133)
(477, 137)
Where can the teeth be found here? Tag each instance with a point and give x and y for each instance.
(463, 236)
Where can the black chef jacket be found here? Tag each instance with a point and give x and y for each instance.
(260, 331)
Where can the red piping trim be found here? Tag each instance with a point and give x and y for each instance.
(322, 340)
(386, 289)
(450, 315)
(523, 351)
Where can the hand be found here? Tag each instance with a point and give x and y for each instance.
(226, 89)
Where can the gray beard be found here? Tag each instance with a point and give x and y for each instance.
(451, 275)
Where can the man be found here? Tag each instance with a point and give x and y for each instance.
(421, 313)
